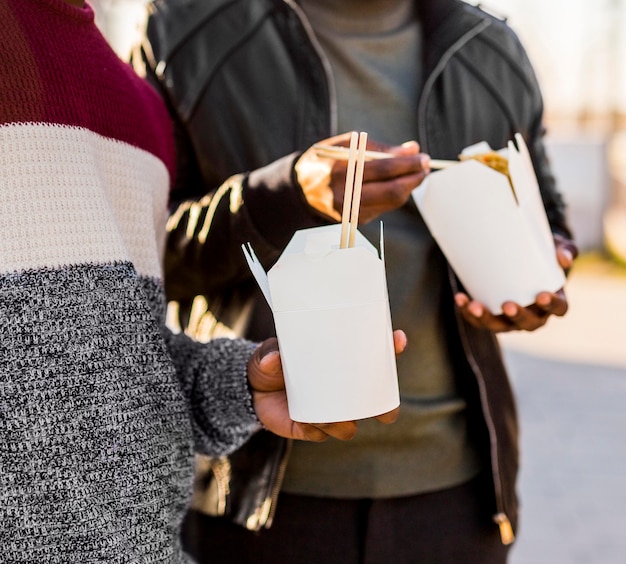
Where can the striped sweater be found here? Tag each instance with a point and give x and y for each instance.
(100, 406)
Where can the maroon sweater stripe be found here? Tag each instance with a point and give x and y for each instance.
(92, 80)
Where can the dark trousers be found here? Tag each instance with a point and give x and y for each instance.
(446, 527)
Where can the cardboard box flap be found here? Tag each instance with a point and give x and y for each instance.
(321, 241)
(258, 272)
(482, 147)
(528, 193)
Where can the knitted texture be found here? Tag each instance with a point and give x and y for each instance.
(101, 407)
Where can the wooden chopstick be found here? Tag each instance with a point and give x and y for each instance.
(358, 183)
(347, 196)
(341, 154)
(438, 164)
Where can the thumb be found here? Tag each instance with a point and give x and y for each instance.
(265, 372)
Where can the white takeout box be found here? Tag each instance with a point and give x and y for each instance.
(497, 239)
(332, 318)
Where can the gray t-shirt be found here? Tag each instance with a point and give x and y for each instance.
(378, 43)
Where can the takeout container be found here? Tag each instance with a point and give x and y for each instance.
(494, 233)
(332, 318)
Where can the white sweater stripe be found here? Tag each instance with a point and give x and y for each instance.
(118, 223)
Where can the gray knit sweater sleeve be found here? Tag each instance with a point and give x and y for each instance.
(213, 378)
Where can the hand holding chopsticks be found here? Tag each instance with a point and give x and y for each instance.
(383, 184)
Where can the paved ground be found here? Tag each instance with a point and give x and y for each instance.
(570, 379)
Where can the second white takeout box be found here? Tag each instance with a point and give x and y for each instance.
(332, 318)
(494, 233)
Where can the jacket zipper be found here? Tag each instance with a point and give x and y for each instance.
(221, 472)
(270, 503)
(330, 80)
(500, 518)
(263, 514)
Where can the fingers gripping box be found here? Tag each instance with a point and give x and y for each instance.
(332, 318)
(493, 231)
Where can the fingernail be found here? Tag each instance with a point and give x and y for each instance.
(268, 358)
(568, 255)
(476, 310)
(509, 309)
(544, 299)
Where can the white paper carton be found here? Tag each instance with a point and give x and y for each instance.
(496, 238)
(331, 311)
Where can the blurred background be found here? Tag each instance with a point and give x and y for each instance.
(570, 376)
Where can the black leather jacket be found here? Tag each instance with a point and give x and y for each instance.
(250, 89)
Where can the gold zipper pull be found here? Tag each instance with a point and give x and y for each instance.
(506, 530)
(260, 516)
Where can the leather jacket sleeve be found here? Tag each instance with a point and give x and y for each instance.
(263, 207)
(209, 224)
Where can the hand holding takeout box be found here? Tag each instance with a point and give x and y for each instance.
(492, 229)
(328, 295)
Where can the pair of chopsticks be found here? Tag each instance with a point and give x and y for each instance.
(342, 154)
(354, 182)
